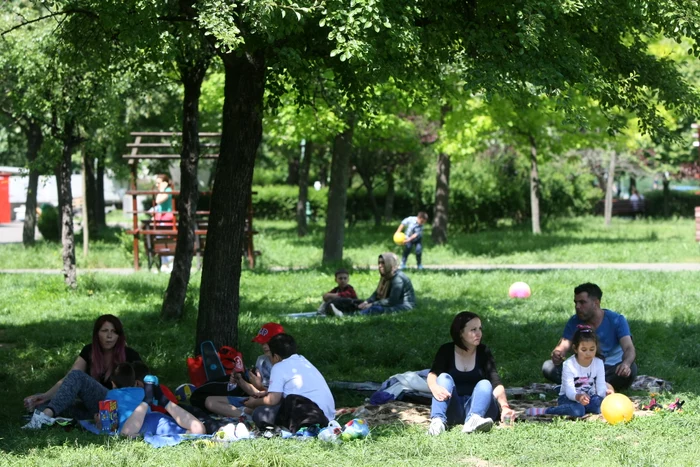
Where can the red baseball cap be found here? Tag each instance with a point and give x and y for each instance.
(267, 332)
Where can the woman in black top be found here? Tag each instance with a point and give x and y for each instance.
(89, 377)
(464, 381)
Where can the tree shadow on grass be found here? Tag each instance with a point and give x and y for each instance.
(520, 333)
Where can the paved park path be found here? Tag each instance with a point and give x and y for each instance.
(12, 233)
(663, 267)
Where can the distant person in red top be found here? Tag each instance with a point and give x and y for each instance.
(341, 298)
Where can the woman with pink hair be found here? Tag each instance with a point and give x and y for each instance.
(88, 378)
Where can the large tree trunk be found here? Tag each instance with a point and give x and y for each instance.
(66, 202)
(442, 199)
(633, 184)
(338, 196)
(90, 193)
(667, 196)
(305, 164)
(100, 216)
(191, 75)
(534, 188)
(35, 138)
(241, 135)
(609, 189)
(390, 194)
(293, 162)
(368, 182)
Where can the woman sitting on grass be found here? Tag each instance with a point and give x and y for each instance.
(464, 381)
(88, 378)
(394, 291)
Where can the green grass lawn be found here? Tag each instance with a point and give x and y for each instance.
(579, 240)
(43, 326)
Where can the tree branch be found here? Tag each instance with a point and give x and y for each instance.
(70, 11)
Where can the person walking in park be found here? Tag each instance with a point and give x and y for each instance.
(414, 237)
(614, 337)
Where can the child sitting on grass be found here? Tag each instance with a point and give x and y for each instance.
(341, 299)
(258, 377)
(133, 407)
(583, 379)
(298, 395)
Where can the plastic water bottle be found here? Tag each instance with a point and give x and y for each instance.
(331, 434)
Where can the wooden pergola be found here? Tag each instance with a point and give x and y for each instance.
(160, 238)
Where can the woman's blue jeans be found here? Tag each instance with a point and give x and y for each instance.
(457, 409)
(566, 406)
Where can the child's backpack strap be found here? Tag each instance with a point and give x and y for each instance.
(212, 363)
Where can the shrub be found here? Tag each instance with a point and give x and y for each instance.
(48, 223)
(680, 203)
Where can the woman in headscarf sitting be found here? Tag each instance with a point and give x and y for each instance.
(394, 292)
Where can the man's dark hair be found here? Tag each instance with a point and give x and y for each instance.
(341, 271)
(140, 370)
(591, 289)
(423, 215)
(283, 345)
(123, 376)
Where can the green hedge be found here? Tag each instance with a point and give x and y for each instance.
(681, 203)
(48, 223)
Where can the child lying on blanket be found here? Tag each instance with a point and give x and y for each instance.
(133, 408)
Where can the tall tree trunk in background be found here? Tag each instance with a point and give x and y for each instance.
(100, 216)
(667, 196)
(90, 193)
(304, 165)
(70, 142)
(191, 75)
(390, 194)
(442, 199)
(338, 196)
(609, 189)
(633, 184)
(219, 300)
(534, 188)
(442, 190)
(293, 162)
(368, 183)
(35, 139)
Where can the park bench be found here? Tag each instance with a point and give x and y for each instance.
(160, 237)
(622, 208)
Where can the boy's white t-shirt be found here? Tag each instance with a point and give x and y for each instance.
(296, 375)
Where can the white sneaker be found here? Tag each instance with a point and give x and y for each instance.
(38, 420)
(437, 426)
(477, 423)
(336, 311)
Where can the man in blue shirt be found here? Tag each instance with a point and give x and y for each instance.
(414, 237)
(614, 338)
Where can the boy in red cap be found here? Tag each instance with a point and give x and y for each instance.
(258, 377)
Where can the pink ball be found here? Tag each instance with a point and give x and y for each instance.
(519, 290)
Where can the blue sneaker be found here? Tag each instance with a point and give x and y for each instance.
(402, 265)
(420, 267)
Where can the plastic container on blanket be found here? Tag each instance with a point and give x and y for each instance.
(331, 434)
